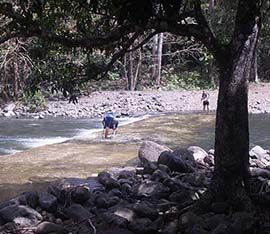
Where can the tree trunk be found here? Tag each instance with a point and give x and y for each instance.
(231, 175)
(132, 66)
(254, 69)
(157, 58)
(211, 6)
(130, 75)
(154, 57)
(139, 60)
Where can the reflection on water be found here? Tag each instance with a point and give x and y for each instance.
(91, 153)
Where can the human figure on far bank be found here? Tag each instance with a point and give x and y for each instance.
(109, 123)
(205, 100)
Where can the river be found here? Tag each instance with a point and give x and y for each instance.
(81, 151)
(20, 134)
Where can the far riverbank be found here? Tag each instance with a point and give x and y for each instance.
(136, 103)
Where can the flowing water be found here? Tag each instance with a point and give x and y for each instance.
(81, 149)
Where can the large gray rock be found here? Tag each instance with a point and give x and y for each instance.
(114, 219)
(78, 212)
(9, 213)
(124, 172)
(125, 213)
(29, 198)
(257, 152)
(47, 201)
(152, 189)
(61, 188)
(47, 228)
(198, 153)
(80, 194)
(150, 151)
(143, 210)
(265, 173)
(174, 162)
(143, 226)
(106, 179)
(9, 107)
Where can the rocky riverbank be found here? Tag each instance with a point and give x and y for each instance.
(125, 103)
(157, 194)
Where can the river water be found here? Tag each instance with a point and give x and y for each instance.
(84, 152)
(175, 130)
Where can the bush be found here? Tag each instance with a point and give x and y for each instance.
(35, 101)
(187, 80)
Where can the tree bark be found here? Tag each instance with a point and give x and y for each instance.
(130, 75)
(132, 67)
(154, 57)
(254, 69)
(231, 174)
(157, 58)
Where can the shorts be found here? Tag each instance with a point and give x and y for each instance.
(205, 103)
(111, 124)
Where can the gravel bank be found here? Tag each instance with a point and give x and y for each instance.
(127, 103)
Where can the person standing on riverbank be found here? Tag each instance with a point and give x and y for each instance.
(109, 122)
(205, 100)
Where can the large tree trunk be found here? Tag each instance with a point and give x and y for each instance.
(231, 174)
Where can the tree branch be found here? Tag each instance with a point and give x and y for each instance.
(8, 37)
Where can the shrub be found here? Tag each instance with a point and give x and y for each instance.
(35, 101)
(188, 80)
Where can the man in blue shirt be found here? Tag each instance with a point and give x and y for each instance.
(109, 122)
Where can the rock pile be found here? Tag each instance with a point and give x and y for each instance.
(154, 196)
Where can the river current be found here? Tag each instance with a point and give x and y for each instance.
(173, 129)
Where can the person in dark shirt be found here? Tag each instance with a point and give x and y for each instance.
(205, 100)
(109, 122)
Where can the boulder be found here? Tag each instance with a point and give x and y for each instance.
(257, 152)
(47, 228)
(61, 188)
(152, 189)
(198, 153)
(9, 107)
(143, 226)
(78, 213)
(80, 194)
(114, 220)
(150, 151)
(180, 196)
(149, 168)
(125, 213)
(159, 175)
(174, 162)
(105, 179)
(47, 201)
(170, 227)
(9, 213)
(29, 198)
(265, 173)
(143, 210)
(122, 173)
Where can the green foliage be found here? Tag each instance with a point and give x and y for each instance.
(188, 80)
(35, 101)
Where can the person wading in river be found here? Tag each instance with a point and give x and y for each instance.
(109, 122)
